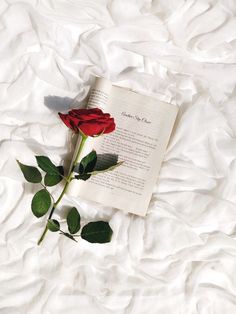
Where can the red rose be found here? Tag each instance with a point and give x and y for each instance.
(90, 121)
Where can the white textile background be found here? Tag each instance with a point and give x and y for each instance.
(181, 258)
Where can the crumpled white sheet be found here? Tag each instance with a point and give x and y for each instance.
(181, 258)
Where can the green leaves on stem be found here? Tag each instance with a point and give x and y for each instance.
(41, 203)
(30, 173)
(73, 220)
(93, 232)
(88, 163)
(45, 164)
(54, 174)
(88, 167)
(54, 179)
(97, 232)
(53, 225)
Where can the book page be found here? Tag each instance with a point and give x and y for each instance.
(143, 128)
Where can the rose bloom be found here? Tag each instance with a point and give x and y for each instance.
(91, 122)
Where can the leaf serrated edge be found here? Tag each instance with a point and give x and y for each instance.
(55, 172)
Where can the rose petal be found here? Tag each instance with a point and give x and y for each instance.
(91, 129)
(65, 119)
(90, 121)
(110, 127)
(86, 114)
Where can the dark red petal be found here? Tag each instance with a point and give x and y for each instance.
(69, 122)
(65, 119)
(91, 129)
(89, 114)
(86, 112)
(75, 120)
(84, 117)
(74, 126)
(110, 127)
(94, 111)
(90, 121)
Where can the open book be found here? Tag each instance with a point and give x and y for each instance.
(143, 129)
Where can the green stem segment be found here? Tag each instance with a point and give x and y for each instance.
(68, 179)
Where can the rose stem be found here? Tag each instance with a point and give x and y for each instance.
(68, 179)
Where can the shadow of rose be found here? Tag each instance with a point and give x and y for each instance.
(57, 103)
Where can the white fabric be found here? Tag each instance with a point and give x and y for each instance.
(181, 258)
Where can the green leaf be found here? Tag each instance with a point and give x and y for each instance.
(110, 168)
(68, 236)
(53, 225)
(73, 220)
(30, 173)
(88, 163)
(41, 203)
(83, 177)
(45, 164)
(51, 179)
(97, 232)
